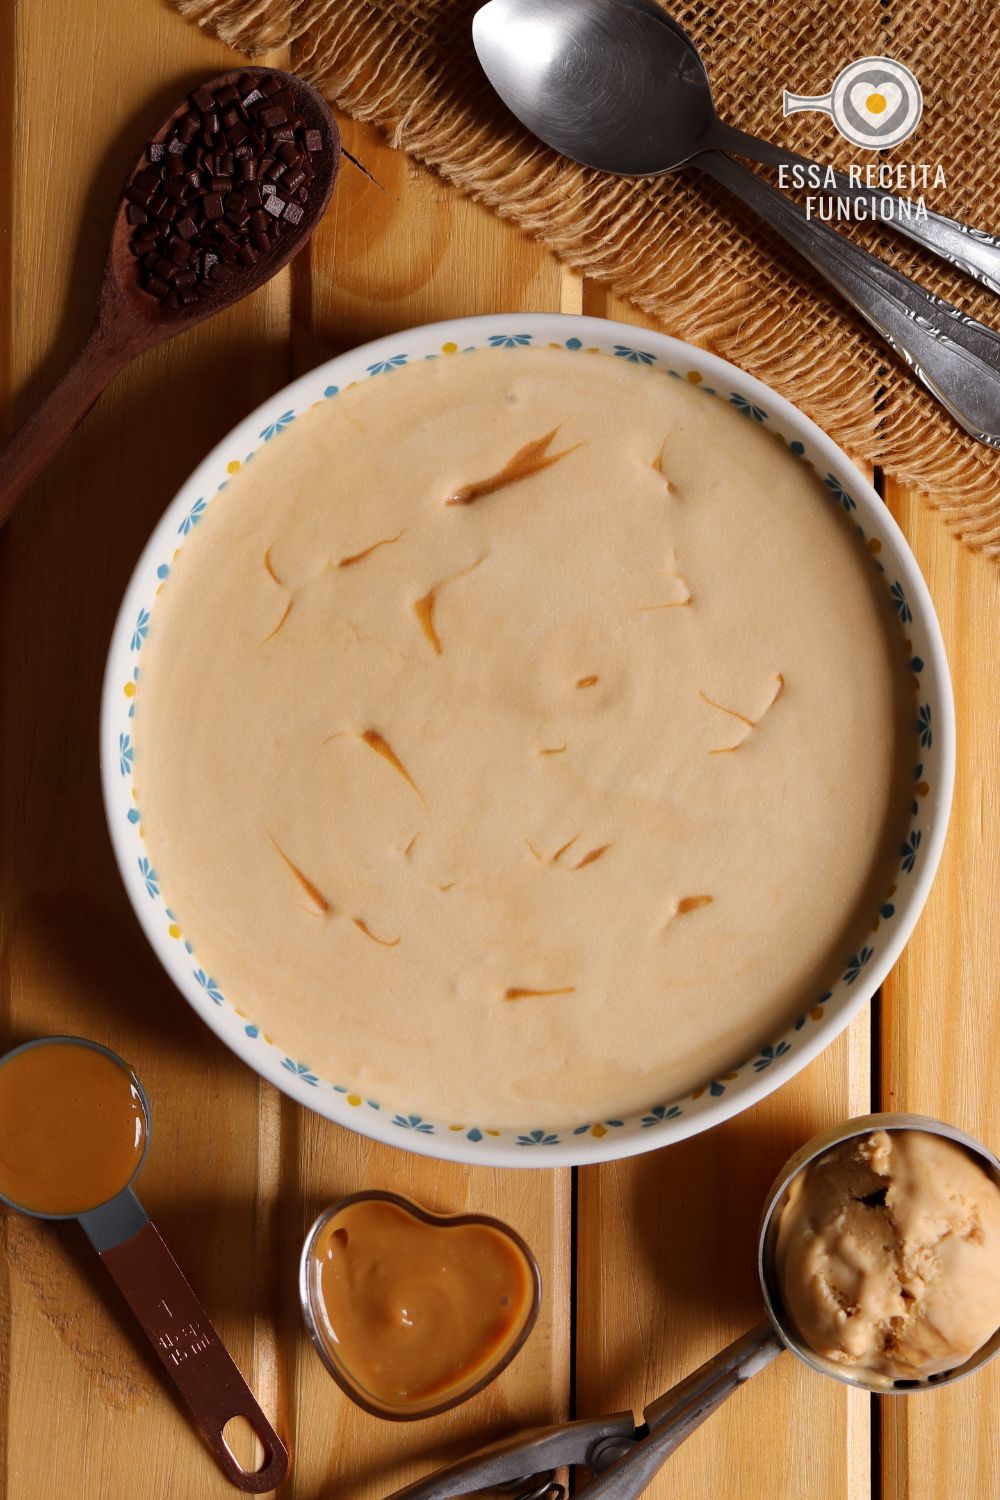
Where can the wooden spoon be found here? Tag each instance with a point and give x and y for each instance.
(131, 320)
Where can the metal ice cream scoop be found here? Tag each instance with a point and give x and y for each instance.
(624, 1456)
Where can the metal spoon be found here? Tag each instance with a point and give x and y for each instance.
(129, 321)
(624, 1458)
(616, 85)
(172, 1318)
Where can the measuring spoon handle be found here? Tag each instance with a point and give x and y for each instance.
(194, 1356)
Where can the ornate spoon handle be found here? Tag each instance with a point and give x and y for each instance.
(956, 358)
(972, 251)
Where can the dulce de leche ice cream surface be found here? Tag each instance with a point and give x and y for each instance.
(888, 1254)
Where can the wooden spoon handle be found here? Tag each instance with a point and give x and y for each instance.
(48, 427)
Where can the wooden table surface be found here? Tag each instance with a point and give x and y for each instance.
(648, 1264)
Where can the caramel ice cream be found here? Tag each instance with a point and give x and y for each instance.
(888, 1254)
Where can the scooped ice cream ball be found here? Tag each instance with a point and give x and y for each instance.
(888, 1254)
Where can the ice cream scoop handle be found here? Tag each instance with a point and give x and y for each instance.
(673, 1417)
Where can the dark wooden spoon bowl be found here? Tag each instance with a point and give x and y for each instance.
(130, 320)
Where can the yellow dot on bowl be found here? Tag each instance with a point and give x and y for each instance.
(922, 789)
(694, 377)
(817, 1013)
(492, 1132)
(598, 1130)
(456, 1127)
(232, 466)
(354, 1099)
(449, 348)
(174, 930)
(876, 104)
(129, 689)
(874, 545)
(133, 794)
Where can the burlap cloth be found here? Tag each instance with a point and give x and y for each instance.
(678, 246)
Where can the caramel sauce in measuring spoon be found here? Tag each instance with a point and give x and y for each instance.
(74, 1131)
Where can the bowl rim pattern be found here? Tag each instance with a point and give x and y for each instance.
(823, 1018)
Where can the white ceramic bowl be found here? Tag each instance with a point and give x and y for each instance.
(822, 1018)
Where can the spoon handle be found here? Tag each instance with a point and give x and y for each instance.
(43, 434)
(970, 250)
(954, 356)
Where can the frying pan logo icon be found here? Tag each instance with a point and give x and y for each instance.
(875, 102)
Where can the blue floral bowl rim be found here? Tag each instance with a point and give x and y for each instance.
(753, 1079)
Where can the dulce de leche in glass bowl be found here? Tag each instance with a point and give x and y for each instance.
(414, 1312)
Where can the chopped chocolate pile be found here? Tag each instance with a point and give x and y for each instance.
(232, 176)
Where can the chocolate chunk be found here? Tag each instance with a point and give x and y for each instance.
(207, 202)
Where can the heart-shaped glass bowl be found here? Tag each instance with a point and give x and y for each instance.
(378, 1292)
(822, 1016)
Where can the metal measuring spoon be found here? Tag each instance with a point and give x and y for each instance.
(174, 1321)
(618, 86)
(623, 1457)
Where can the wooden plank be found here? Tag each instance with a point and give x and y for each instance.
(666, 1276)
(940, 1043)
(388, 257)
(82, 1411)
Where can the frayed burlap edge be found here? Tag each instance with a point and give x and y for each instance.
(389, 67)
